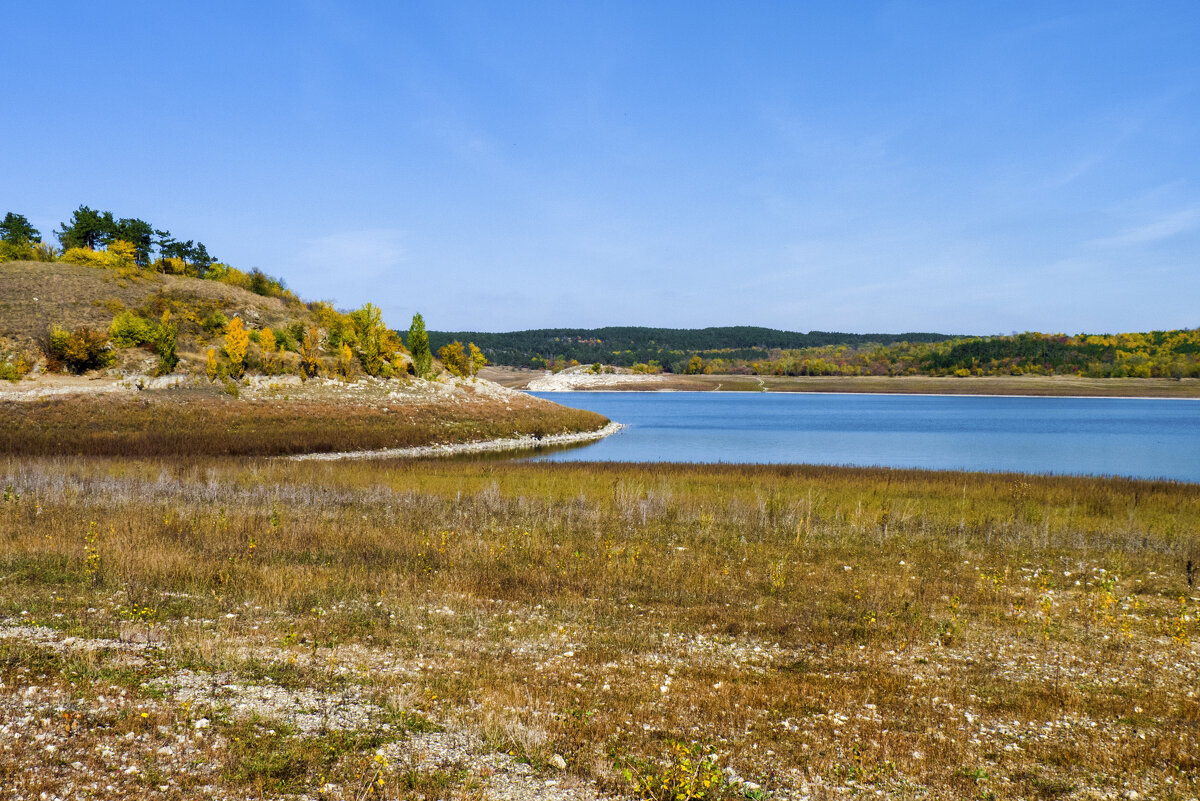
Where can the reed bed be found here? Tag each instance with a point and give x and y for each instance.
(786, 631)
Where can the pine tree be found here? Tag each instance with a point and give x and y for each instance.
(16, 230)
(418, 346)
(164, 343)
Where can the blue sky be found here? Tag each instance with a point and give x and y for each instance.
(956, 167)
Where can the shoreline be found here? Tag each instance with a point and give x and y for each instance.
(537, 393)
(998, 386)
(527, 442)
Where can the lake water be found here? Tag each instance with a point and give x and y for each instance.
(1143, 438)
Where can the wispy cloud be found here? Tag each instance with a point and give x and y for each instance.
(366, 251)
(348, 267)
(1164, 227)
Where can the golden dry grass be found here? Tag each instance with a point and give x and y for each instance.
(826, 632)
(36, 295)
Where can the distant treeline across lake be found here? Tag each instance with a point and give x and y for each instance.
(764, 351)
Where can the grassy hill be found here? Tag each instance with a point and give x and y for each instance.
(280, 410)
(35, 295)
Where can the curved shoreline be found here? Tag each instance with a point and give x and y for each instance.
(527, 442)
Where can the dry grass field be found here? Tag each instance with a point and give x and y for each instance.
(259, 628)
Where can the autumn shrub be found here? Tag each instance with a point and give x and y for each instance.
(310, 353)
(16, 251)
(454, 356)
(172, 265)
(345, 363)
(255, 281)
(120, 256)
(78, 351)
(85, 256)
(688, 773)
(14, 366)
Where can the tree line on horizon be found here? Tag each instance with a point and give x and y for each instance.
(626, 346)
(756, 351)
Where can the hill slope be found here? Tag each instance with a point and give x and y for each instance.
(35, 295)
(185, 413)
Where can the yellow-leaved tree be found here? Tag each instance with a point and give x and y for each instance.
(375, 345)
(237, 340)
(122, 255)
(454, 356)
(266, 341)
(478, 360)
(310, 353)
(345, 362)
(212, 367)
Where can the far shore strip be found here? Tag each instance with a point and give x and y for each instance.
(527, 442)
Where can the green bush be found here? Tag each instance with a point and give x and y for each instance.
(214, 323)
(289, 338)
(284, 339)
(165, 338)
(129, 331)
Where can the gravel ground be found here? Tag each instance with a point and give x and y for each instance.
(578, 378)
(170, 735)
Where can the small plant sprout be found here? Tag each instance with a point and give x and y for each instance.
(91, 554)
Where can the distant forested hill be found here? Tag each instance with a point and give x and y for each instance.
(763, 351)
(671, 347)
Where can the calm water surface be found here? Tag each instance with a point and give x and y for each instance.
(1089, 436)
